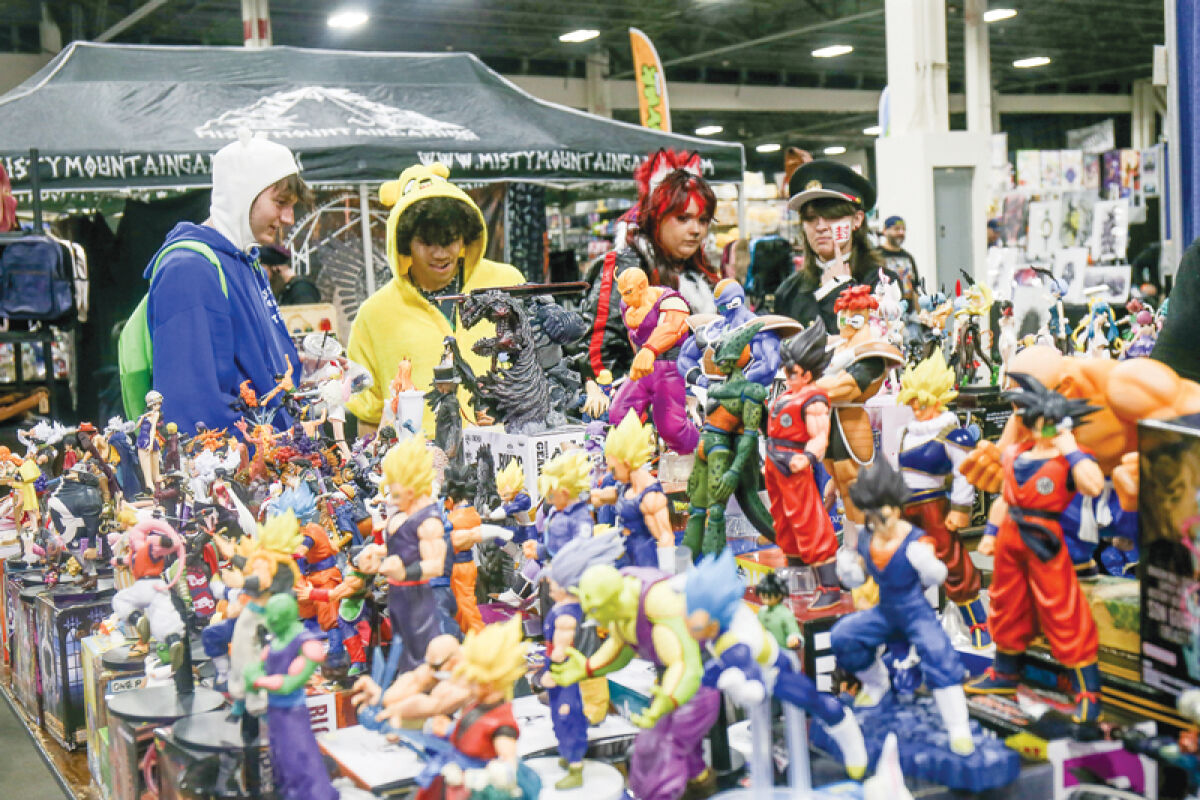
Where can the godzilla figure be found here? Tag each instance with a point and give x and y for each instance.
(516, 393)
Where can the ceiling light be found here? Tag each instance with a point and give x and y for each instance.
(997, 14)
(833, 51)
(708, 130)
(834, 150)
(770, 147)
(874, 130)
(581, 35)
(1035, 61)
(345, 20)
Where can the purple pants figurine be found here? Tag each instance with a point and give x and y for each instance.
(665, 392)
(296, 761)
(664, 758)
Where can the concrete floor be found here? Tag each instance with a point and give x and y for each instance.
(26, 776)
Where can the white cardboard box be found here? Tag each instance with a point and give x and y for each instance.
(530, 450)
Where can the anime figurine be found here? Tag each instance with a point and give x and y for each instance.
(646, 616)
(517, 504)
(727, 460)
(1144, 337)
(1033, 581)
(349, 598)
(171, 459)
(775, 616)
(416, 547)
(148, 441)
(855, 374)
(121, 452)
(748, 663)
(656, 318)
(1008, 341)
(447, 412)
(561, 629)
(564, 484)
(641, 505)
(797, 437)
(428, 690)
(902, 561)
(147, 603)
(261, 567)
(1097, 331)
(972, 342)
(286, 665)
(466, 531)
(23, 475)
(317, 558)
(940, 499)
(696, 354)
(491, 661)
(74, 509)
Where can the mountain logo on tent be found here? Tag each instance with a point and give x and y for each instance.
(323, 112)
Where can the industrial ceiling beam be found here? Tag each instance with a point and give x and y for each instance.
(136, 16)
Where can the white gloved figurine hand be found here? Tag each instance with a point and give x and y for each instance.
(850, 569)
(741, 689)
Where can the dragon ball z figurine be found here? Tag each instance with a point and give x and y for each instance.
(516, 502)
(1034, 586)
(940, 498)
(641, 503)
(902, 561)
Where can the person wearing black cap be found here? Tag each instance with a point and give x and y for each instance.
(290, 289)
(832, 201)
(899, 260)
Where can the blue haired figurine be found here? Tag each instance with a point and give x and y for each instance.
(747, 662)
(1097, 331)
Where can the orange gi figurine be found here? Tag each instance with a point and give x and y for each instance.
(1034, 587)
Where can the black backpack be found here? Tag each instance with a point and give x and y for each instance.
(37, 280)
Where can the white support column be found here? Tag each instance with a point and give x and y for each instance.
(256, 23)
(917, 67)
(1145, 113)
(597, 99)
(364, 206)
(1174, 246)
(977, 55)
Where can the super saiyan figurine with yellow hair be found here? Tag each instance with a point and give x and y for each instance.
(940, 498)
(416, 548)
(641, 503)
(515, 502)
(564, 484)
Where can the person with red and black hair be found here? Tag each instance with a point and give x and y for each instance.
(665, 239)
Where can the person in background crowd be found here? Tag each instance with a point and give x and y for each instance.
(993, 233)
(290, 289)
(1176, 342)
(833, 201)
(899, 260)
(436, 239)
(215, 328)
(665, 240)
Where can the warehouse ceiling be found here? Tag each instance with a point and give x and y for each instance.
(1095, 46)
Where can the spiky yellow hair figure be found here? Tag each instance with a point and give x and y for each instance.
(571, 471)
(494, 656)
(631, 442)
(930, 383)
(510, 480)
(277, 540)
(410, 464)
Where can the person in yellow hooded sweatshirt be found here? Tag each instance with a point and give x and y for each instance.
(435, 243)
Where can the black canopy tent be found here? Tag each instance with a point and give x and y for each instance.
(133, 116)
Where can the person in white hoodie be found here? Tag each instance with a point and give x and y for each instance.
(212, 318)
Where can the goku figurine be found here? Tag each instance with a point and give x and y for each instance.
(1034, 587)
(797, 438)
(940, 499)
(656, 318)
(727, 459)
(646, 617)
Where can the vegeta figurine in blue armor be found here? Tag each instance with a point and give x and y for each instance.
(564, 485)
(734, 313)
(902, 561)
(747, 662)
(517, 504)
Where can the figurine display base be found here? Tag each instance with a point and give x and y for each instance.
(123, 659)
(925, 748)
(162, 705)
(600, 781)
(847, 790)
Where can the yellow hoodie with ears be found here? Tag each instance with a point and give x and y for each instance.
(397, 322)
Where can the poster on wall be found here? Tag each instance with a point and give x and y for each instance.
(1091, 171)
(1029, 169)
(1130, 173)
(1031, 307)
(1110, 175)
(1110, 230)
(1051, 170)
(1045, 218)
(1093, 138)
(1112, 280)
(1150, 161)
(1013, 222)
(1072, 169)
(1002, 265)
(1076, 218)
